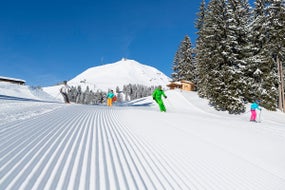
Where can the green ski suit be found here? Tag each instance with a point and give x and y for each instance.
(156, 95)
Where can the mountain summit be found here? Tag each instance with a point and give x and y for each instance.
(120, 73)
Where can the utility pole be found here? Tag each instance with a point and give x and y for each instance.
(281, 85)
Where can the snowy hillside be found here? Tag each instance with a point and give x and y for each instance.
(22, 91)
(49, 145)
(110, 76)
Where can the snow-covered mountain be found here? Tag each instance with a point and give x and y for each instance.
(111, 75)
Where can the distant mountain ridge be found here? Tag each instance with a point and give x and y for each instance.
(118, 74)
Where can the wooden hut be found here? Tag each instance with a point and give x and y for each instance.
(183, 85)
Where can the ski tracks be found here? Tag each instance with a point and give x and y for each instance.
(81, 147)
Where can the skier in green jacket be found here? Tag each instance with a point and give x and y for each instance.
(156, 95)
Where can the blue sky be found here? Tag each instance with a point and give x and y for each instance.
(45, 42)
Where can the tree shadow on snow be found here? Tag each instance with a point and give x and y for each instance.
(137, 103)
(4, 97)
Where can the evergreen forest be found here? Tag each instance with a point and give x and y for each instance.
(239, 55)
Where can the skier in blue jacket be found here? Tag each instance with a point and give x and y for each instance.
(110, 97)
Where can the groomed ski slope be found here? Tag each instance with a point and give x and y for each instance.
(191, 147)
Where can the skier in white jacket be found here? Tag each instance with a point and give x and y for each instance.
(64, 91)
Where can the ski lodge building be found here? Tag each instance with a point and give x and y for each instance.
(183, 85)
(12, 80)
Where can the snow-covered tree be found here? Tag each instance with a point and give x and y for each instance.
(256, 38)
(238, 51)
(221, 54)
(275, 44)
(183, 64)
(201, 16)
(214, 54)
(201, 65)
(260, 72)
(135, 91)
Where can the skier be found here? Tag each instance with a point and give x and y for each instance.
(110, 96)
(64, 91)
(254, 106)
(156, 95)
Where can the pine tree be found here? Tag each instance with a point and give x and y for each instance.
(201, 65)
(261, 71)
(200, 16)
(79, 93)
(176, 68)
(183, 65)
(222, 52)
(257, 38)
(236, 52)
(275, 44)
(214, 74)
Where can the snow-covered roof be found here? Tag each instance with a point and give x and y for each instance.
(9, 79)
(182, 81)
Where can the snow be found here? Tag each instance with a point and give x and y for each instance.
(51, 145)
(14, 79)
(110, 76)
(21, 91)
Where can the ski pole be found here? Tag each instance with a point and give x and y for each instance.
(260, 116)
(247, 112)
(168, 102)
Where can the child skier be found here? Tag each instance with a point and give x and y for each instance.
(156, 95)
(254, 106)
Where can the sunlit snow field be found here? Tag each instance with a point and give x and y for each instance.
(51, 145)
